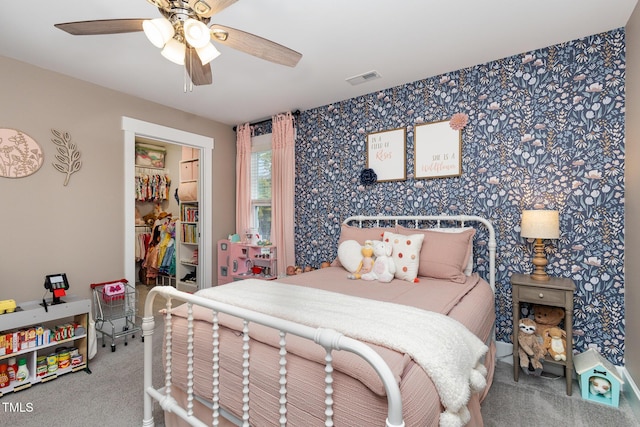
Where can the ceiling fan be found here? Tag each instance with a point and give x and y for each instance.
(185, 34)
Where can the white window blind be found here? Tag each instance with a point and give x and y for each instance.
(261, 184)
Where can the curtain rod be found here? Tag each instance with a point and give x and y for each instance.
(261, 122)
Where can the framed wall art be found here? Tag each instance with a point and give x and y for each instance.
(438, 150)
(386, 154)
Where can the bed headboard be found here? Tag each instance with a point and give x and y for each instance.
(434, 221)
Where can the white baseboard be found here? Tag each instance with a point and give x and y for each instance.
(504, 352)
(630, 391)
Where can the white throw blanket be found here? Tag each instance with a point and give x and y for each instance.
(449, 353)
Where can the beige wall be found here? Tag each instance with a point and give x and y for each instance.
(78, 229)
(632, 198)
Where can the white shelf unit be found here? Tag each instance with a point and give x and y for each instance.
(187, 228)
(188, 235)
(33, 314)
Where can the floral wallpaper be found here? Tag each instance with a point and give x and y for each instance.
(546, 129)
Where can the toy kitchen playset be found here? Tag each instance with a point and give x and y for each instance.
(252, 259)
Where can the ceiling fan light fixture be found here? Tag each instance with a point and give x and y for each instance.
(196, 33)
(174, 51)
(159, 31)
(207, 53)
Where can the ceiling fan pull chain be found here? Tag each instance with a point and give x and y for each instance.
(191, 68)
(185, 74)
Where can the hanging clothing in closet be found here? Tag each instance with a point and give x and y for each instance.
(143, 239)
(160, 257)
(167, 248)
(152, 186)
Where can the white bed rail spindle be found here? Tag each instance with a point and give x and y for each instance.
(216, 370)
(327, 338)
(168, 354)
(148, 324)
(328, 390)
(245, 374)
(283, 378)
(190, 359)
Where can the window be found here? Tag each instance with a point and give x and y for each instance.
(261, 184)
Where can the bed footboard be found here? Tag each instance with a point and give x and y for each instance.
(329, 339)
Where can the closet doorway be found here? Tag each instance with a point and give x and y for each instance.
(135, 128)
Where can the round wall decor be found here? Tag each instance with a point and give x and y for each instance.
(20, 155)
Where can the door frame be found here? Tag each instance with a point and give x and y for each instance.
(133, 128)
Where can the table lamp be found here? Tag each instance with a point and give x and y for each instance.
(538, 225)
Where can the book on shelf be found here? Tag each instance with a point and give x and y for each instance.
(189, 213)
(190, 233)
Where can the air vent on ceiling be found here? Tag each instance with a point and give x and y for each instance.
(364, 77)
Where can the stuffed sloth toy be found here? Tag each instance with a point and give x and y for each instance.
(383, 268)
(530, 350)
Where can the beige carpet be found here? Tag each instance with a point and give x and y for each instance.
(541, 401)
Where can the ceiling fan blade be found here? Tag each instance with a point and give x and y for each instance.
(208, 8)
(103, 26)
(255, 45)
(200, 74)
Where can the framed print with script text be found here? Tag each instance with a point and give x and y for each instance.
(438, 150)
(386, 154)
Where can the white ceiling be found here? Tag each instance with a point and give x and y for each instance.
(404, 40)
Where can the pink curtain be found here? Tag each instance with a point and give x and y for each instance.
(282, 189)
(243, 179)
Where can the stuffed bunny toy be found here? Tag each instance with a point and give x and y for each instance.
(383, 267)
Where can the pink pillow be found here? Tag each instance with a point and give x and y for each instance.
(444, 255)
(360, 235)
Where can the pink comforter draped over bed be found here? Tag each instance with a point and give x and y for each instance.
(359, 396)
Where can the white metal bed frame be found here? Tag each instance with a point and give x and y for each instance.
(327, 338)
(438, 220)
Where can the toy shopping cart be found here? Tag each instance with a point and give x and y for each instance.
(114, 306)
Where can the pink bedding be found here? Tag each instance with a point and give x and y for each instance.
(359, 396)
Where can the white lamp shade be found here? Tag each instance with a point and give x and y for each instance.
(159, 31)
(207, 53)
(540, 224)
(174, 51)
(196, 33)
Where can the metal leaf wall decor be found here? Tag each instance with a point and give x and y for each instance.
(20, 155)
(68, 156)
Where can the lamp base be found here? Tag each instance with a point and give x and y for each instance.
(539, 262)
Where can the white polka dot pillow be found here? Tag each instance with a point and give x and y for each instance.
(405, 254)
